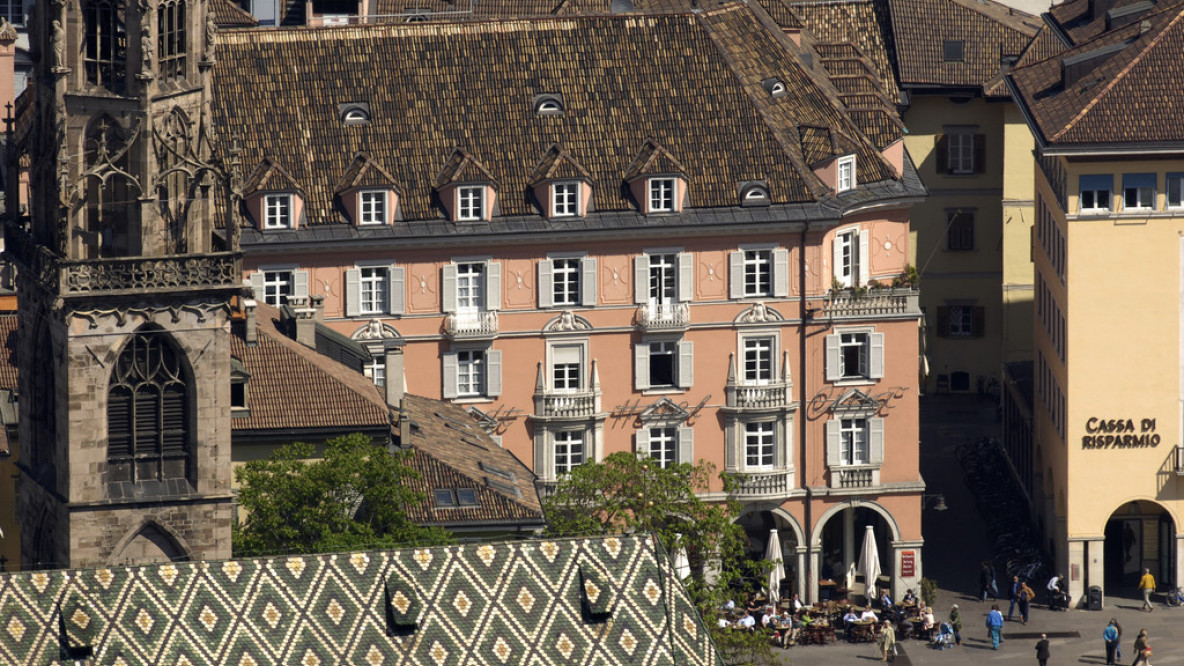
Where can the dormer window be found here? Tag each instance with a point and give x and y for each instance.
(238, 389)
(277, 211)
(754, 194)
(470, 202)
(775, 87)
(548, 105)
(356, 117)
(845, 177)
(953, 50)
(372, 207)
(565, 198)
(661, 195)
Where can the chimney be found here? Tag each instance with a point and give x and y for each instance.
(1098, 8)
(302, 321)
(251, 324)
(404, 426)
(395, 382)
(318, 304)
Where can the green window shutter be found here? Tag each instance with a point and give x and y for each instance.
(980, 153)
(943, 321)
(979, 321)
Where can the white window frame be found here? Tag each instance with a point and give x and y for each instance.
(850, 257)
(372, 206)
(663, 440)
(870, 365)
(758, 264)
(277, 211)
(1176, 179)
(470, 203)
(567, 440)
(845, 174)
(964, 326)
(1140, 204)
(662, 192)
(665, 348)
(470, 286)
(762, 434)
(374, 283)
(840, 431)
(668, 276)
(376, 370)
(273, 281)
(572, 379)
(960, 152)
(683, 364)
(1094, 208)
(460, 382)
(565, 198)
(854, 441)
(470, 373)
(565, 280)
(758, 356)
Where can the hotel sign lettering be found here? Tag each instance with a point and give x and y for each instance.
(1119, 434)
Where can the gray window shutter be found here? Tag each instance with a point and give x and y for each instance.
(877, 355)
(588, 282)
(641, 279)
(546, 283)
(837, 261)
(448, 290)
(834, 456)
(493, 373)
(353, 292)
(832, 358)
(865, 257)
(493, 286)
(642, 446)
(300, 283)
(686, 445)
(396, 290)
(257, 284)
(877, 440)
(541, 461)
(449, 359)
(686, 364)
(641, 365)
(736, 274)
(780, 273)
(686, 277)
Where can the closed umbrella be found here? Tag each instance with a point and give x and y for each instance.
(777, 573)
(682, 564)
(869, 561)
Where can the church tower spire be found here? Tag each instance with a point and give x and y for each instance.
(125, 284)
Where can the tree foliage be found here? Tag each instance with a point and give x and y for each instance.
(351, 498)
(629, 493)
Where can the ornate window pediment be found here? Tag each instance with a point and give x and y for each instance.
(657, 181)
(854, 403)
(467, 191)
(567, 322)
(664, 410)
(367, 193)
(274, 199)
(561, 185)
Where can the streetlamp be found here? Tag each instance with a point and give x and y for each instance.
(939, 501)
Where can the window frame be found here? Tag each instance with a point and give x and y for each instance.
(1140, 206)
(277, 211)
(473, 364)
(373, 284)
(568, 438)
(958, 237)
(270, 280)
(372, 207)
(1094, 209)
(667, 276)
(758, 268)
(849, 445)
(667, 437)
(662, 194)
(470, 203)
(573, 378)
(568, 192)
(761, 359)
(845, 175)
(965, 329)
(850, 242)
(765, 435)
(472, 283)
(566, 283)
(1177, 179)
(671, 350)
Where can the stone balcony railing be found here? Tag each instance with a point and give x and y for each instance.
(854, 477)
(871, 303)
(664, 316)
(471, 325)
(764, 485)
(759, 396)
(577, 404)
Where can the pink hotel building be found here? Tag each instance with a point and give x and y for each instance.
(650, 233)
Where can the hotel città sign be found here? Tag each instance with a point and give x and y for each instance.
(1119, 434)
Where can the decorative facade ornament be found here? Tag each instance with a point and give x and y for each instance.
(211, 36)
(146, 50)
(375, 330)
(759, 313)
(58, 38)
(105, 165)
(202, 311)
(567, 321)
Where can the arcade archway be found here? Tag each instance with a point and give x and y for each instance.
(1139, 535)
(758, 525)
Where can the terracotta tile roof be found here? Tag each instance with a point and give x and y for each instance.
(463, 167)
(1075, 21)
(559, 164)
(471, 85)
(452, 451)
(364, 172)
(1123, 86)
(781, 12)
(653, 158)
(227, 14)
(269, 176)
(1045, 44)
(8, 370)
(295, 387)
(861, 24)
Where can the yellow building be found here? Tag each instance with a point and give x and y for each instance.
(1109, 256)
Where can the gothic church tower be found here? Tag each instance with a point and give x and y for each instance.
(124, 288)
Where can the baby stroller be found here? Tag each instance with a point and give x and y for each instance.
(944, 637)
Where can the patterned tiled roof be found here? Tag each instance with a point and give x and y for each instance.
(295, 387)
(1079, 21)
(689, 82)
(608, 600)
(864, 25)
(269, 176)
(559, 164)
(364, 172)
(452, 451)
(8, 327)
(227, 14)
(1127, 91)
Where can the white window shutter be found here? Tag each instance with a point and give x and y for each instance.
(300, 284)
(686, 364)
(641, 365)
(493, 286)
(542, 465)
(877, 355)
(832, 358)
(686, 445)
(546, 283)
(686, 277)
(449, 359)
(780, 273)
(588, 282)
(836, 266)
(865, 258)
(642, 443)
(493, 373)
(876, 426)
(353, 292)
(834, 451)
(396, 290)
(641, 279)
(736, 275)
(257, 284)
(448, 288)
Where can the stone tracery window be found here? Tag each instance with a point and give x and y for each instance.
(171, 35)
(148, 412)
(106, 44)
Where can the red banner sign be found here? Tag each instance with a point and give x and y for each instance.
(908, 563)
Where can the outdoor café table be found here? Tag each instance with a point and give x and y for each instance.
(919, 632)
(863, 631)
(827, 585)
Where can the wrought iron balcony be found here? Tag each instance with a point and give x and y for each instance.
(871, 303)
(759, 396)
(576, 404)
(471, 325)
(854, 477)
(664, 316)
(764, 485)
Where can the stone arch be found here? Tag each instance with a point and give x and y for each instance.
(795, 527)
(889, 519)
(150, 541)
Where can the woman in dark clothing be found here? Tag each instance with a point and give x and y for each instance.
(1024, 598)
(1141, 645)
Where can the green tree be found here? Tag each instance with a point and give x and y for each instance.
(351, 498)
(630, 493)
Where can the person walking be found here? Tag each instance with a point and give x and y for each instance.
(1110, 636)
(1054, 591)
(1142, 649)
(1013, 596)
(1042, 652)
(1147, 586)
(1118, 649)
(956, 624)
(986, 579)
(995, 626)
(1024, 597)
(888, 641)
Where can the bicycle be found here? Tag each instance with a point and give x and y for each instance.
(1174, 597)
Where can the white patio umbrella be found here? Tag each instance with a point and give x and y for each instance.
(869, 562)
(681, 563)
(777, 573)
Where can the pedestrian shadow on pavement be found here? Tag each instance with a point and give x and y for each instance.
(1092, 660)
(977, 643)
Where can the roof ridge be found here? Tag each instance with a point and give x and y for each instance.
(1011, 13)
(1120, 75)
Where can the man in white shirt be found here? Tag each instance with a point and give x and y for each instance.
(1054, 590)
(746, 622)
(867, 614)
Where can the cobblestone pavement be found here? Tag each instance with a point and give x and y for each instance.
(956, 541)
